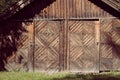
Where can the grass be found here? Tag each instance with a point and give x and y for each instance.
(58, 76)
(29, 76)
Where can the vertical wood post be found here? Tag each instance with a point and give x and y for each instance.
(65, 45)
(66, 40)
(31, 48)
(97, 35)
(61, 54)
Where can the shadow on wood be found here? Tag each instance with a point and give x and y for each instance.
(106, 8)
(11, 30)
(111, 42)
(10, 33)
(33, 9)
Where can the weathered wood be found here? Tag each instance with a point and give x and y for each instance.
(109, 44)
(69, 35)
(116, 44)
(19, 60)
(61, 46)
(83, 50)
(31, 47)
(106, 55)
(65, 46)
(68, 47)
(47, 51)
(73, 9)
(97, 36)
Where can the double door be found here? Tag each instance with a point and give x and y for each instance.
(66, 46)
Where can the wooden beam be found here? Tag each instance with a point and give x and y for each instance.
(31, 48)
(97, 35)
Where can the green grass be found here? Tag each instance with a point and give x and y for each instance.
(58, 76)
(29, 76)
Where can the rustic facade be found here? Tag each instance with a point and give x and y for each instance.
(66, 35)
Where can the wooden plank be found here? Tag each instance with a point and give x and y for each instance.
(97, 32)
(66, 47)
(53, 10)
(31, 48)
(67, 9)
(61, 46)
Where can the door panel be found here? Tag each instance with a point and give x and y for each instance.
(83, 49)
(116, 44)
(47, 50)
(106, 53)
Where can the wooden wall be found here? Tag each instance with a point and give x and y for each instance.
(76, 46)
(68, 9)
(110, 44)
(21, 60)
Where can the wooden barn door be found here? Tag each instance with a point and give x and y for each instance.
(83, 46)
(47, 55)
(66, 45)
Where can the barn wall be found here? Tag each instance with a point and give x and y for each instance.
(57, 39)
(109, 44)
(68, 9)
(116, 44)
(21, 59)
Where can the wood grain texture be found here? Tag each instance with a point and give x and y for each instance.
(69, 9)
(75, 46)
(18, 61)
(116, 44)
(106, 55)
(47, 46)
(83, 50)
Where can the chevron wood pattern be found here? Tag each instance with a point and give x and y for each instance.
(76, 46)
(18, 62)
(47, 46)
(106, 54)
(83, 54)
(116, 44)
